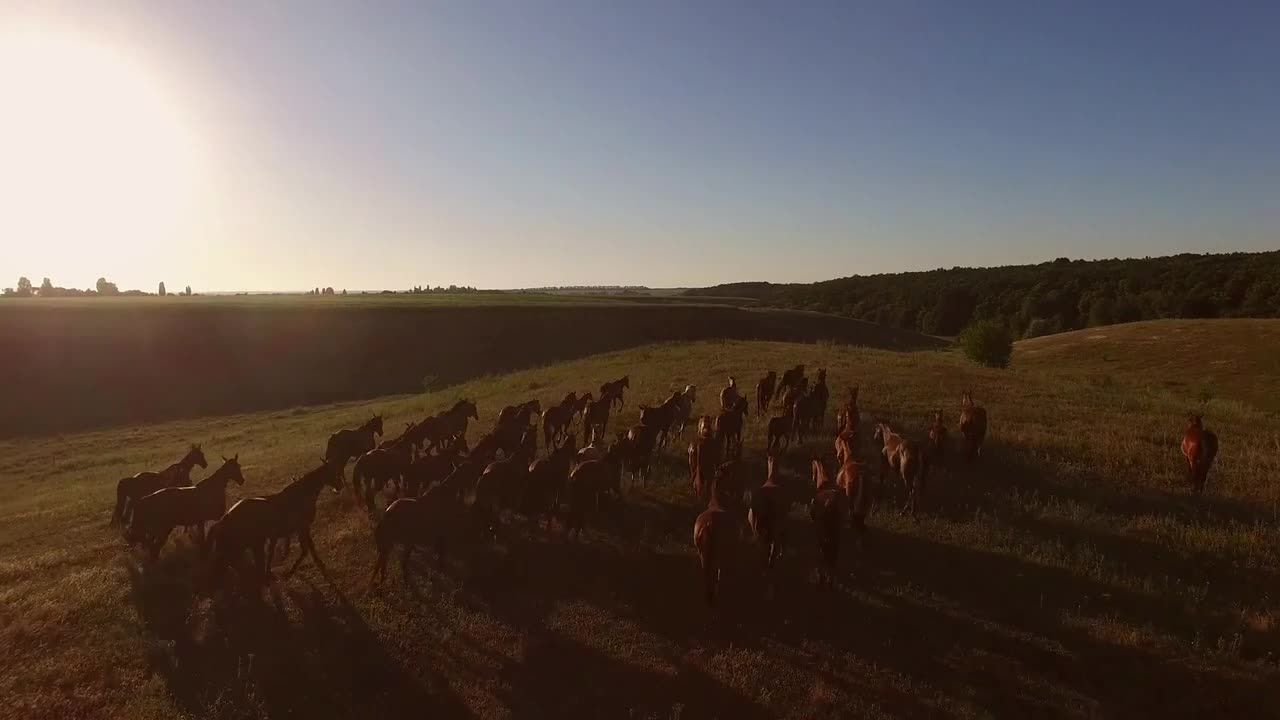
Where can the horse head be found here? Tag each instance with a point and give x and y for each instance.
(375, 424)
(231, 466)
(195, 456)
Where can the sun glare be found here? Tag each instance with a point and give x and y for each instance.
(95, 159)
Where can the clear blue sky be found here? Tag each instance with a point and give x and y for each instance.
(507, 144)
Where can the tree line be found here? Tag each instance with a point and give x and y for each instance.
(1033, 300)
(103, 287)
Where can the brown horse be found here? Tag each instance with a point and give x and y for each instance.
(765, 388)
(714, 535)
(937, 439)
(907, 459)
(807, 413)
(973, 426)
(847, 416)
(433, 519)
(429, 470)
(255, 524)
(437, 430)
(613, 391)
(589, 482)
(513, 422)
(768, 508)
(557, 419)
(595, 420)
(793, 378)
(353, 442)
(781, 428)
(374, 469)
(547, 479)
(849, 479)
(157, 514)
(662, 417)
(706, 452)
(132, 489)
(642, 440)
(827, 511)
(819, 396)
(846, 444)
(512, 414)
(729, 395)
(1199, 447)
(729, 427)
(503, 483)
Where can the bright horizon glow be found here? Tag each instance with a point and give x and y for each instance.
(98, 165)
(283, 146)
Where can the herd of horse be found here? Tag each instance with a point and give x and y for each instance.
(439, 489)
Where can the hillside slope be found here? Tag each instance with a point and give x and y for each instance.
(1069, 575)
(1199, 359)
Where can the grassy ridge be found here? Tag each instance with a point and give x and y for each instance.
(1069, 575)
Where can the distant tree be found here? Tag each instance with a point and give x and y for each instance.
(24, 286)
(1102, 312)
(987, 342)
(187, 292)
(106, 288)
(46, 288)
(344, 291)
(328, 291)
(161, 292)
(1038, 327)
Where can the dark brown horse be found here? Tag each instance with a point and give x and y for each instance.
(503, 483)
(729, 395)
(973, 426)
(157, 514)
(807, 410)
(768, 508)
(729, 428)
(662, 417)
(642, 440)
(353, 442)
(765, 388)
(513, 422)
(548, 477)
(255, 524)
(827, 510)
(438, 430)
(819, 396)
(1199, 447)
(591, 481)
(781, 429)
(132, 489)
(557, 419)
(847, 416)
(714, 536)
(430, 470)
(433, 519)
(613, 391)
(595, 420)
(374, 469)
(793, 378)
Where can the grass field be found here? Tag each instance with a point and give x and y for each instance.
(371, 299)
(1068, 575)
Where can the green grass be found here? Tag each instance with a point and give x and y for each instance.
(1197, 360)
(1068, 575)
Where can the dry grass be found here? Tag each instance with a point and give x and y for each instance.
(1068, 575)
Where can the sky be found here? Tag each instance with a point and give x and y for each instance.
(285, 145)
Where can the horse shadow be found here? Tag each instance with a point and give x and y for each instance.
(238, 655)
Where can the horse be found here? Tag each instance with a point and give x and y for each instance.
(908, 459)
(555, 423)
(706, 452)
(641, 440)
(439, 429)
(937, 439)
(595, 419)
(846, 444)
(547, 479)
(793, 377)
(613, 391)
(807, 412)
(729, 427)
(512, 414)
(588, 482)
(374, 469)
(434, 518)
(729, 395)
(662, 417)
(462, 481)
(503, 483)
(428, 470)
(513, 422)
(849, 479)
(255, 524)
(157, 514)
(781, 428)
(847, 416)
(133, 488)
(768, 508)
(684, 408)
(973, 426)
(714, 536)
(1199, 447)
(827, 511)
(818, 398)
(765, 388)
(353, 442)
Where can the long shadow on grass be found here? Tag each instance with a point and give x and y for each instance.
(238, 656)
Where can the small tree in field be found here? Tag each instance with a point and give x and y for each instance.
(161, 291)
(987, 343)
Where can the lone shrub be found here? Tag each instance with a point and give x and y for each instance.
(987, 343)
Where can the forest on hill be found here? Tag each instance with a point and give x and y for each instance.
(1034, 300)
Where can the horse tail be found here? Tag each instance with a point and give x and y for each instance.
(122, 498)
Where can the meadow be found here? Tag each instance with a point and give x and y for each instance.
(1069, 574)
